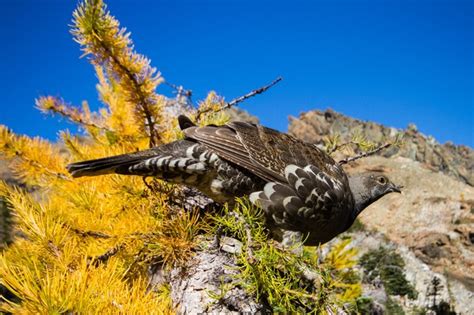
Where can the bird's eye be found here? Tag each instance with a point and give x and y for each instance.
(382, 180)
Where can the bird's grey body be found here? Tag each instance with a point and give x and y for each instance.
(301, 189)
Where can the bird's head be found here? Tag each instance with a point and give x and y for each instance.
(368, 188)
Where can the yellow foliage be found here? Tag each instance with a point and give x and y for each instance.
(34, 160)
(340, 261)
(120, 116)
(340, 257)
(81, 288)
(50, 104)
(129, 73)
(85, 245)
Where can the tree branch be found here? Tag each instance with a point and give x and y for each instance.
(179, 89)
(239, 99)
(57, 106)
(89, 233)
(143, 103)
(365, 154)
(42, 167)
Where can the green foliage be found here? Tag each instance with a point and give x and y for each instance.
(363, 305)
(276, 275)
(418, 311)
(388, 265)
(393, 308)
(437, 305)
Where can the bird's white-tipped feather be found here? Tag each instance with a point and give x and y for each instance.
(269, 189)
(291, 169)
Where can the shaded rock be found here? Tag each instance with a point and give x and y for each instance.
(431, 247)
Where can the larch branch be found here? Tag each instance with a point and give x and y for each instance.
(154, 136)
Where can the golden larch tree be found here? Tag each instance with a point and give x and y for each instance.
(86, 245)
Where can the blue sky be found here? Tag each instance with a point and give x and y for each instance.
(393, 62)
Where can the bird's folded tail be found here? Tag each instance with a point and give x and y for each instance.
(174, 161)
(118, 164)
(136, 163)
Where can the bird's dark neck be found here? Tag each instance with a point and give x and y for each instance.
(361, 195)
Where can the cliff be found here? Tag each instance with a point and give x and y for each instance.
(431, 225)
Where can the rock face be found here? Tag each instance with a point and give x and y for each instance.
(432, 223)
(418, 273)
(456, 161)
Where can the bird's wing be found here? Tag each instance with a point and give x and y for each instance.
(225, 142)
(263, 151)
(309, 199)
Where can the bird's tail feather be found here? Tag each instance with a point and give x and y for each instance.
(165, 158)
(121, 164)
(115, 164)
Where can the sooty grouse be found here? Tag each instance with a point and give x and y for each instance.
(303, 191)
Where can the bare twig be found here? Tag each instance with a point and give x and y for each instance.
(217, 237)
(239, 99)
(149, 186)
(365, 154)
(251, 94)
(179, 89)
(248, 233)
(56, 251)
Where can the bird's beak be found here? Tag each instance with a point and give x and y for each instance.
(395, 188)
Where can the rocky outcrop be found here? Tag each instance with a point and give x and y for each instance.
(200, 288)
(454, 160)
(430, 223)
